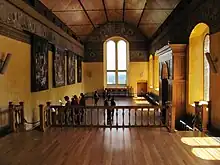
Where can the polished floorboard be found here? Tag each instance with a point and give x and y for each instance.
(101, 146)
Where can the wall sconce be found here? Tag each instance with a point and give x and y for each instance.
(151, 86)
(157, 89)
(4, 62)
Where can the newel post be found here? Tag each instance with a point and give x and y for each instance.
(49, 115)
(170, 117)
(204, 117)
(12, 117)
(42, 118)
(22, 114)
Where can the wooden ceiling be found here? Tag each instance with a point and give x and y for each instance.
(82, 16)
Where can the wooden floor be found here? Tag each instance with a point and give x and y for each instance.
(99, 146)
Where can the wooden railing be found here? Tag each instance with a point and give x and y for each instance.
(12, 118)
(202, 115)
(99, 116)
(16, 113)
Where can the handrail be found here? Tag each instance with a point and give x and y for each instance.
(99, 116)
(105, 107)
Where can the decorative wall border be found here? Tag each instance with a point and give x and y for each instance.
(137, 42)
(18, 19)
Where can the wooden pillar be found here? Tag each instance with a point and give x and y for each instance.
(49, 116)
(170, 117)
(204, 109)
(22, 114)
(42, 118)
(12, 117)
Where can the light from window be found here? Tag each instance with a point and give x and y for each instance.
(122, 55)
(111, 78)
(206, 68)
(111, 55)
(122, 77)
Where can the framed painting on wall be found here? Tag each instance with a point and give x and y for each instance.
(39, 64)
(71, 63)
(79, 69)
(58, 67)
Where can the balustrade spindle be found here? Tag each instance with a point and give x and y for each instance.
(154, 116)
(123, 117)
(141, 116)
(57, 118)
(62, 115)
(148, 116)
(160, 117)
(135, 117)
(22, 114)
(129, 117)
(84, 116)
(116, 117)
(91, 116)
(104, 115)
(98, 116)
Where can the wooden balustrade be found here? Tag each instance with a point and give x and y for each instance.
(202, 115)
(99, 116)
(16, 116)
(170, 117)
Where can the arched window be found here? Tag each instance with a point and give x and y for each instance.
(116, 52)
(206, 68)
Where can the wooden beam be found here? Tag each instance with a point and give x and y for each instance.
(142, 14)
(123, 11)
(86, 13)
(103, 2)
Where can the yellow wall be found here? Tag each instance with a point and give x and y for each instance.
(15, 83)
(93, 76)
(156, 75)
(215, 81)
(196, 65)
(138, 72)
(151, 74)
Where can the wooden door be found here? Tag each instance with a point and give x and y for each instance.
(141, 88)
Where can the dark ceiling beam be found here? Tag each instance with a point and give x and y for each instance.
(103, 2)
(86, 13)
(124, 11)
(142, 14)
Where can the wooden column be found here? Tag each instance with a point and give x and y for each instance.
(22, 115)
(49, 116)
(12, 117)
(170, 117)
(173, 56)
(42, 118)
(205, 110)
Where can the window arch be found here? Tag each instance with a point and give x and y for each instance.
(116, 62)
(206, 68)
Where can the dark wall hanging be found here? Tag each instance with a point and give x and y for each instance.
(39, 64)
(79, 69)
(58, 67)
(71, 63)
